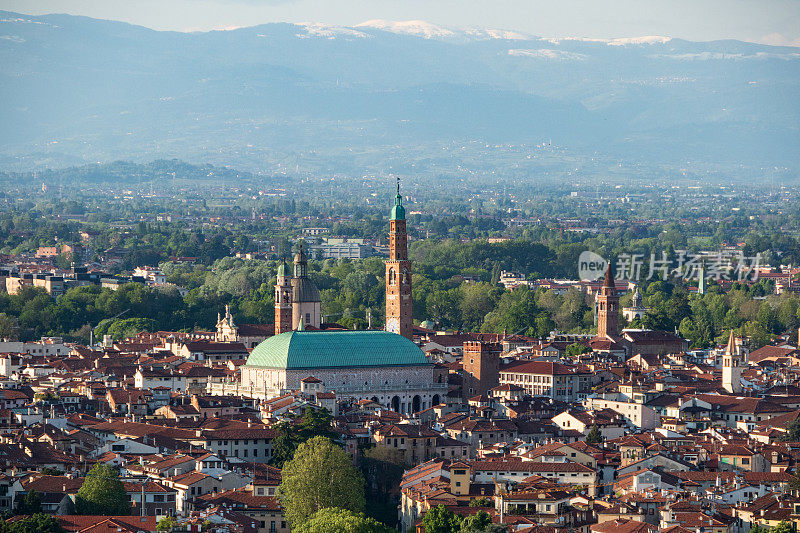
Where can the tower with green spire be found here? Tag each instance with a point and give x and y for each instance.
(398, 273)
(398, 211)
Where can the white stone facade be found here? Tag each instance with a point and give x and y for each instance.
(406, 389)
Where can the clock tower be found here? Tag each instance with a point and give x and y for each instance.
(398, 273)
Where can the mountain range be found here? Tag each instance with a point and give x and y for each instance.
(314, 97)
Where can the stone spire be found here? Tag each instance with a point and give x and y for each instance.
(608, 281)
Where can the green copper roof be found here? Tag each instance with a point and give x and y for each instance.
(335, 349)
(282, 269)
(398, 211)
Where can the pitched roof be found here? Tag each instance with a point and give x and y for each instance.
(92, 524)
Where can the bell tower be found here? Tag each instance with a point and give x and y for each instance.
(398, 273)
(608, 307)
(283, 301)
(733, 365)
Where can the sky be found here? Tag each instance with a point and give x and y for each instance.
(764, 21)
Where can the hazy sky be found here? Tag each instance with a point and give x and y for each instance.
(768, 21)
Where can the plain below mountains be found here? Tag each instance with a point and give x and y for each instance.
(280, 96)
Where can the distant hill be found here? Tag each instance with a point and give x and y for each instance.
(281, 97)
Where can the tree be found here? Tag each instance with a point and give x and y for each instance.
(594, 436)
(440, 519)
(577, 348)
(480, 522)
(335, 520)
(315, 422)
(792, 432)
(102, 493)
(794, 483)
(37, 523)
(475, 523)
(166, 524)
(382, 468)
(130, 327)
(319, 475)
(784, 526)
(31, 503)
(9, 327)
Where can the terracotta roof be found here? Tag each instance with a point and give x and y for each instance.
(104, 524)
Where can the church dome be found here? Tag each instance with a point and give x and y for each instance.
(335, 349)
(304, 290)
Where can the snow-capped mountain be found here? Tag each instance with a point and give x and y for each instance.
(104, 89)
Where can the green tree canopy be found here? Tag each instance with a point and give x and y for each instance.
(29, 504)
(577, 349)
(128, 327)
(9, 327)
(102, 493)
(382, 467)
(594, 436)
(319, 475)
(315, 422)
(440, 519)
(481, 522)
(784, 526)
(792, 432)
(37, 523)
(335, 520)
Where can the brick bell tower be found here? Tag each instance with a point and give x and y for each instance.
(608, 307)
(283, 301)
(398, 273)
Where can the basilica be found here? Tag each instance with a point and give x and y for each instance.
(383, 366)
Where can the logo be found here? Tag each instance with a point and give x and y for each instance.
(591, 266)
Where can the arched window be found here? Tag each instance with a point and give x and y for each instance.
(392, 276)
